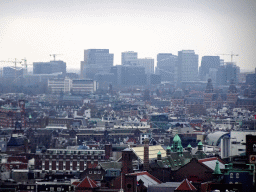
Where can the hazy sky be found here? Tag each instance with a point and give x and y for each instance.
(34, 29)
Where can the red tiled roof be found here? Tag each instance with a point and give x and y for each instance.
(87, 183)
(76, 183)
(186, 186)
(131, 140)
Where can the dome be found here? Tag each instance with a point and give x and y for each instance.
(215, 138)
(176, 138)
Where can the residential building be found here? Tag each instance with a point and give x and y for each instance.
(68, 160)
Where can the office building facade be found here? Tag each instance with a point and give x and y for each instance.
(187, 66)
(95, 61)
(208, 63)
(227, 73)
(49, 67)
(129, 58)
(167, 67)
(148, 64)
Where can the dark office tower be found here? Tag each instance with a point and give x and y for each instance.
(167, 67)
(129, 58)
(208, 63)
(187, 66)
(129, 75)
(227, 73)
(49, 67)
(96, 61)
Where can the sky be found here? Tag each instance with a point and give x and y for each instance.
(34, 29)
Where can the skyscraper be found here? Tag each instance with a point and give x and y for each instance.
(227, 73)
(207, 63)
(129, 58)
(187, 66)
(96, 61)
(167, 66)
(148, 64)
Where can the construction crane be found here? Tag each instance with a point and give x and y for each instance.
(26, 66)
(54, 56)
(15, 65)
(231, 55)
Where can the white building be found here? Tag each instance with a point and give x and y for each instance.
(235, 145)
(79, 86)
(148, 64)
(84, 86)
(59, 85)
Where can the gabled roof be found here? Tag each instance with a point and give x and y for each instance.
(186, 186)
(87, 183)
(147, 178)
(16, 141)
(153, 150)
(211, 162)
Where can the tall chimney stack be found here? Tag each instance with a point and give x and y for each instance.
(146, 155)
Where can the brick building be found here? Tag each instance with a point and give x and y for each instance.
(68, 160)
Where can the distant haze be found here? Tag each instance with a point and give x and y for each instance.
(35, 29)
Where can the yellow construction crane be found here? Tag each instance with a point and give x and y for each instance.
(54, 56)
(231, 55)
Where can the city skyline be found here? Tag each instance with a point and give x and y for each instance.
(36, 29)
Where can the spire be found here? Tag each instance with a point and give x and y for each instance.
(159, 155)
(168, 150)
(200, 146)
(189, 148)
(176, 146)
(217, 169)
(209, 87)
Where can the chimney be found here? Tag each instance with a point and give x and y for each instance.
(146, 155)
(108, 151)
(127, 155)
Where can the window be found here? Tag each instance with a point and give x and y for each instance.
(28, 187)
(51, 188)
(99, 172)
(231, 175)
(237, 175)
(95, 172)
(32, 187)
(90, 172)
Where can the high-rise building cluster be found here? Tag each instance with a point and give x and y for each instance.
(98, 66)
